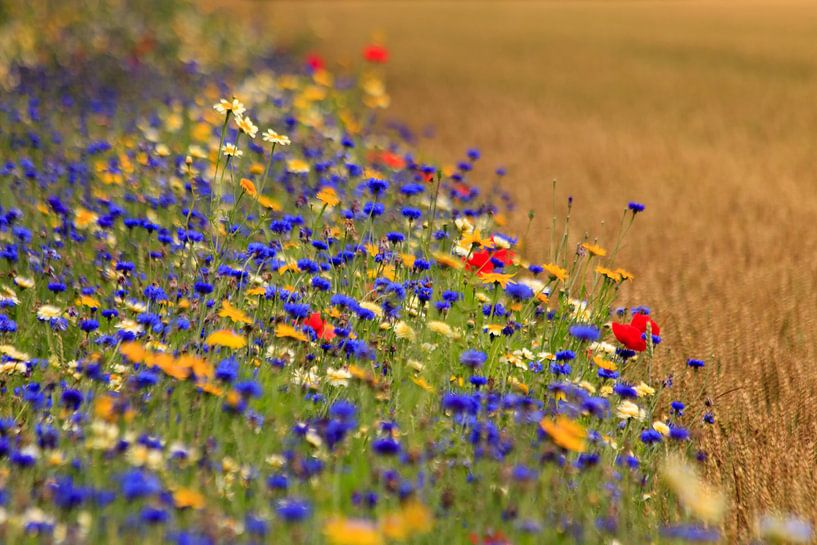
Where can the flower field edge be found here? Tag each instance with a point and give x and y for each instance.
(235, 310)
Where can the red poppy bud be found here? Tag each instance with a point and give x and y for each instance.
(376, 53)
(315, 61)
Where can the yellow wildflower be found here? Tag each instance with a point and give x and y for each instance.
(661, 428)
(88, 301)
(594, 249)
(248, 187)
(271, 204)
(297, 166)
(348, 531)
(287, 331)
(444, 260)
(134, 351)
(473, 239)
(423, 383)
(555, 271)
(624, 274)
(441, 328)
(328, 196)
(609, 273)
(565, 432)
(404, 331)
(235, 314)
(184, 498)
(84, 218)
(226, 338)
(500, 278)
(604, 364)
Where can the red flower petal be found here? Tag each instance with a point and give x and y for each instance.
(481, 262)
(322, 329)
(315, 61)
(376, 53)
(640, 322)
(629, 336)
(505, 256)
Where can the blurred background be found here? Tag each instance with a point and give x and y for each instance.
(705, 112)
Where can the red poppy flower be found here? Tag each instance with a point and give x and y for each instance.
(376, 53)
(387, 158)
(315, 61)
(463, 190)
(323, 330)
(505, 256)
(640, 322)
(392, 160)
(481, 262)
(629, 336)
(489, 538)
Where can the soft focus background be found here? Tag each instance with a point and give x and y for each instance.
(706, 112)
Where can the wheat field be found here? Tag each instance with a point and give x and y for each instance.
(704, 111)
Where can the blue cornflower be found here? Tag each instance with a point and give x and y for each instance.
(691, 532)
(89, 325)
(293, 509)
(320, 283)
(56, 287)
(478, 381)
(137, 483)
(297, 310)
(153, 515)
(412, 189)
(279, 481)
(560, 368)
(695, 364)
(72, 398)
(377, 186)
(678, 433)
(386, 446)
(411, 213)
(452, 296)
(625, 390)
(343, 410)
(565, 355)
(523, 473)
(584, 332)
(203, 288)
(473, 358)
(635, 207)
(650, 436)
(518, 292)
(373, 209)
(227, 370)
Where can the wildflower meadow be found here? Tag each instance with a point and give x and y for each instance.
(235, 309)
